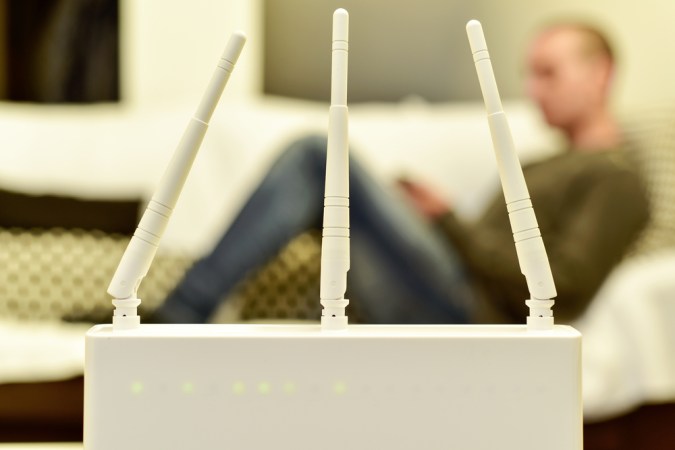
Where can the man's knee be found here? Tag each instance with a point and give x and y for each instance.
(311, 148)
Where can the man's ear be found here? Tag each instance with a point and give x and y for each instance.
(605, 73)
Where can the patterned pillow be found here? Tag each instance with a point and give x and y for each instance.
(287, 287)
(46, 274)
(651, 134)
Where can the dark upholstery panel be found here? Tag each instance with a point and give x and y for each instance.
(42, 412)
(23, 210)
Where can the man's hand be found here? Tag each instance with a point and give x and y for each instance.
(425, 200)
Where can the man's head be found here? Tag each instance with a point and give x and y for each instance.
(569, 73)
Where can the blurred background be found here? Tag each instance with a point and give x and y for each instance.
(59, 51)
(110, 50)
(94, 96)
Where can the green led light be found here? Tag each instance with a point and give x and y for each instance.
(340, 388)
(264, 387)
(136, 387)
(188, 387)
(239, 388)
(289, 388)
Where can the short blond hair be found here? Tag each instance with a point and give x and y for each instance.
(594, 41)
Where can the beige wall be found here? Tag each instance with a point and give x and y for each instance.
(643, 32)
(169, 46)
(432, 50)
(397, 49)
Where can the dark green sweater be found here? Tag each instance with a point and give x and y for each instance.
(590, 207)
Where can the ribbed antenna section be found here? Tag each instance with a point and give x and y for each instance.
(141, 250)
(335, 242)
(532, 256)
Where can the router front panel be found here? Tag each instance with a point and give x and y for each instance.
(294, 387)
(204, 387)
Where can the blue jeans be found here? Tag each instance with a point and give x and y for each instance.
(403, 270)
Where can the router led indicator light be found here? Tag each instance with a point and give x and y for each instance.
(239, 388)
(340, 388)
(264, 387)
(188, 387)
(137, 388)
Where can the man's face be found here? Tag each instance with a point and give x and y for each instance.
(566, 85)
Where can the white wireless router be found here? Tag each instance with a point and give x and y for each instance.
(334, 386)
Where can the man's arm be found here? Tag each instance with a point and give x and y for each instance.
(599, 233)
(591, 239)
(424, 199)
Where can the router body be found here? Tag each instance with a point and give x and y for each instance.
(298, 387)
(333, 386)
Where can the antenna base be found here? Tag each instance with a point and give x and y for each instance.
(541, 315)
(125, 316)
(333, 317)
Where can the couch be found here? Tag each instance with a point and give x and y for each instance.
(104, 158)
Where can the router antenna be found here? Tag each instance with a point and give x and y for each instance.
(141, 251)
(530, 248)
(335, 242)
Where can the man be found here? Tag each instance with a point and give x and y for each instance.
(414, 262)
